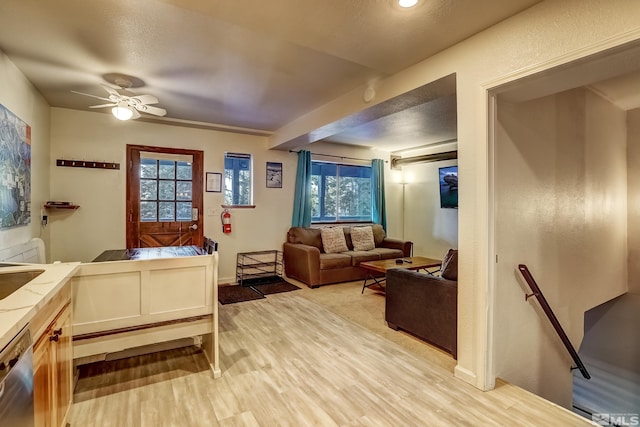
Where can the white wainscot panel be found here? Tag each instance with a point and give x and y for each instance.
(177, 289)
(106, 297)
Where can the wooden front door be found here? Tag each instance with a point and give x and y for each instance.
(164, 197)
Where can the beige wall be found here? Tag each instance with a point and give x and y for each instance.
(19, 96)
(548, 34)
(633, 152)
(432, 230)
(561, 210)
(99, 224)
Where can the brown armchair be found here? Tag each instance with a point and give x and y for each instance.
(423, 305)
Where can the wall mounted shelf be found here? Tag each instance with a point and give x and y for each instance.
(50, 206)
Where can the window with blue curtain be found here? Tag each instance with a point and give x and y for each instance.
(340, 193)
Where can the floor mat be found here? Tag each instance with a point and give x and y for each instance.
(235, 293)
(275, 288)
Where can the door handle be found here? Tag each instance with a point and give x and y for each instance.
(193, 226)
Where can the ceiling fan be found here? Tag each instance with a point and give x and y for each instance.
(127, 107)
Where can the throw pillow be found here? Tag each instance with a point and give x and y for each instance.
(362, 238)
(450, 265)
(333, 240)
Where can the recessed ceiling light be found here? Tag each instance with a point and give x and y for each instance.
(407, 3)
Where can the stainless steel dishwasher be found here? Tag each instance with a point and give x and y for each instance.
(16, 382)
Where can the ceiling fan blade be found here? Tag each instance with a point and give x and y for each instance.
(144, 99)
(102, 105)
(92, 96)
(156, 111)
(135, 114)
(111, 91)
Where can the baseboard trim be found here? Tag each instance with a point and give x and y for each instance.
(465, 375)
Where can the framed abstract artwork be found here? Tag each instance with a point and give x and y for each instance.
(15, 170)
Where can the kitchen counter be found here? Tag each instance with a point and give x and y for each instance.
(18, 309)
(149, 253)
(156, 295)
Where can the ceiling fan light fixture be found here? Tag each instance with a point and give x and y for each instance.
(122, 112)
(407, 3)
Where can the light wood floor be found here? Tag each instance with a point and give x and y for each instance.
(367, 310)
(289, 361)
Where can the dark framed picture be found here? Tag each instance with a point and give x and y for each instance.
(274, 175)
(214, 182)
(448, 177)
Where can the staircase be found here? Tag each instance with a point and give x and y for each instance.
(611, 351)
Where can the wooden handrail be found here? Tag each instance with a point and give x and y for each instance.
(552, 318)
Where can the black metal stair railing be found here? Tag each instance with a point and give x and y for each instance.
(536, 292)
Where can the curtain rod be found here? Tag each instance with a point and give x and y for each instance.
(337, 157)
(397, 162)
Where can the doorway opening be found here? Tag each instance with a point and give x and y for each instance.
(564, 156)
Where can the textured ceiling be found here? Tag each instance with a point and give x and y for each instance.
(251, 64)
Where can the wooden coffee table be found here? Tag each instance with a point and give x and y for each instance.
(381, 266)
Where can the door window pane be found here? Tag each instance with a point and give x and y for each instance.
(183, 211)
(167, 211)
(148, 168)
(183, 190)
(167, 190)
(167, 169)
(148, 189)
(183, 171)
(148, 212)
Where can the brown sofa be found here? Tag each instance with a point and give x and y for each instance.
(305, 259)
(425, 306)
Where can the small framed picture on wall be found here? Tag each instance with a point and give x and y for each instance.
(214, 182)
(274, 175)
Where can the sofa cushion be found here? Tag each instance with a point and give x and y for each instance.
(331, 261)
(333, 240)
(450, 265)
(362, 238)
(305, 236)
(388, 253)
(378, 234)
(362, 256)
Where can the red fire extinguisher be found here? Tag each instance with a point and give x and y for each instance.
(226, 221)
